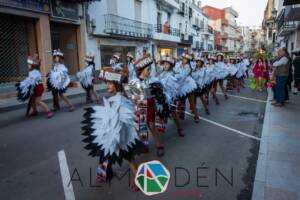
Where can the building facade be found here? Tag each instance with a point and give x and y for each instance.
(223, 21)
(39, 27)
(269, 26)
(201, 30)
(162, 27)
(287, 25)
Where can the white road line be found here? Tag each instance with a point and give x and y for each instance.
(65, 176)
(245, 98)
(225, 127)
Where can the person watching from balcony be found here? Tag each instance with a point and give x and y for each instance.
(166, 28)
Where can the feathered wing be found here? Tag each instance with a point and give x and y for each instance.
(26, 87)
(198, 76)
(110, 131)
(170, 83)
(162, 106)
(86, 78)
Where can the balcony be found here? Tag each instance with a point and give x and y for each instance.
(171, 3)
(165, 32)
(291, 2)
(207, 31)
(292, 13)
(224, 36)
(287, 28)
(186, 39)
(121, 26)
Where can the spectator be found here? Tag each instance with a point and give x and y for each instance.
(296, 64)
(281, 73)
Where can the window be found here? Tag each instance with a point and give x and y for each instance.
(270, 34)
(158, 18)
(138, 10)
(112, 7)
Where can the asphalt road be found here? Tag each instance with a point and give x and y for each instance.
(29, 165)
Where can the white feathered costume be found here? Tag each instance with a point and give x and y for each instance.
(221, 70)
(58, 78)
(110, 130)
(86, 77)
(186, 83)
(170, 84)
(26, 87)
(199, 76)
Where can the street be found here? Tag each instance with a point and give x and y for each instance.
(210, 162)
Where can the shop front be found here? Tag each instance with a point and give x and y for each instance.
(66, 33)
(17, 41)
(18, 36)
(39, 27)
(165, 48)
(64, 37)
(110, 46)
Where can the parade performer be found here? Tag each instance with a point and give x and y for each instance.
(199, 76)
(171, 86)
(32, 88)
(211, 70)
(115, 63)
(150, 101)
(222, 73)
(259, 69)
(187, 86)
(110, 131)
(130, 67)
(87, 78)
(241, 74)
(58, 81)
(232, 69)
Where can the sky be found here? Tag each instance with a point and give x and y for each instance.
(250, 11)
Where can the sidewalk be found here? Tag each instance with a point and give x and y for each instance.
(278, 167)
(11, 103)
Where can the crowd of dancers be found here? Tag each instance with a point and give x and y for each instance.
(144, 96)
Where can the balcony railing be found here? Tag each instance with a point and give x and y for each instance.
(287, 28)
(159, 28)
(210, 29)
(292, 13)
(117, 25)
(188, 40)
(224, 35)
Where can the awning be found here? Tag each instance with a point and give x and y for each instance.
(166, 44)
(291, 2)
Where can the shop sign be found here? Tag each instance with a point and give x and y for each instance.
(64, 10)
(33, 5)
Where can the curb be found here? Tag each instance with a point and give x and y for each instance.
(261, 167)
(48, 100)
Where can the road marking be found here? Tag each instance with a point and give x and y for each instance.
(65, 176)
(246, 98)
(225, 127)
